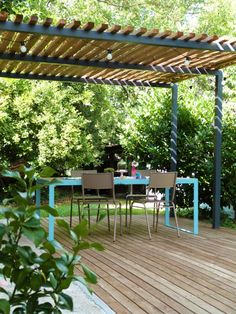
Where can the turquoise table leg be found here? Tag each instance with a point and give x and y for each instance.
(38, 200)
(167, 209)
(195, 207)
(51, 218)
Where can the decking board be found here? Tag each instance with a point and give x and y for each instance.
(191, 274)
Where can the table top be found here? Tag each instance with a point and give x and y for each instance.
(125, 180)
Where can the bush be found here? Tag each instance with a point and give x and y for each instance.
(109, 170)
(44, 269)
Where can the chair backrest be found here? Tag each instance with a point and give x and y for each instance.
(146, 172)
(162, 180)
(76, 173)
(98, 181)
(79, 172)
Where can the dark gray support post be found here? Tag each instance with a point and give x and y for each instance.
(217, 149)
(173, 143)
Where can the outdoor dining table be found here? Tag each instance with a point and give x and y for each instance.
(129, 181)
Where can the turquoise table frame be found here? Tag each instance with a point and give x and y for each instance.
(68, 181)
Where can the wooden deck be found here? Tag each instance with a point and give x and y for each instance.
(191, 274)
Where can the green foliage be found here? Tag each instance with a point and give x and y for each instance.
(109, 170)
(146, 136)
(147, 130)
(42, 125)
(45, 268)
(12, 6)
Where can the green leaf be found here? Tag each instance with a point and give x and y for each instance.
(66, 283)
(4, 306)
(57, 245)
(7, 271)
(2, 290)
(47, 172)
(2, 230)
(20, 201)
(23, 195)
(22, 275)
(35, 187)
(81, 246)
(5, 202)
(52, 211)
(36, 281)
(46, 308)
(19, 310)
(45, 256)
(8, 213)
(30, 172)
(62, 223)
(81, 229)
(32, 303)
(35, 235)
(90, 275)
(77, 259)
(14, 175)
(47, 245)
(24, 253)
(53, 280)
(33, 223)
(61, 266)
(73, 236)
(97, 246)
(66, 302)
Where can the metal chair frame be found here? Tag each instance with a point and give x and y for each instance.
(158, 180)
(132, 197)
(99, 182)
(75, 198)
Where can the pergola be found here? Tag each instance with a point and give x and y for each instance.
(118, 56)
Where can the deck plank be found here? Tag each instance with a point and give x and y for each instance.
(190, 274)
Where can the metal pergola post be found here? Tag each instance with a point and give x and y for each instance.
(174, 134)
(217, 149)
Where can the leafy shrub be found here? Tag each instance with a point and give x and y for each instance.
(109, 170)
(45, 268)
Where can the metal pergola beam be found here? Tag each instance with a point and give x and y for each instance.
(82, 80)
(106, 36)
(105, 65)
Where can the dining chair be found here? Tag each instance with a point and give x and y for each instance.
(158, 181)
(131, 196)
(75, 196)
(100, 182)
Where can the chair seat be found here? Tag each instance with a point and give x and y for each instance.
(97, 200)
(134, 196)
(92, 198)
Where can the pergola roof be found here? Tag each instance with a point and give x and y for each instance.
(78, 53)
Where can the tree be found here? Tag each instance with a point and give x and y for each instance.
(41, 127)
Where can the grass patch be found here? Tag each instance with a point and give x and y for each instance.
(64, 210)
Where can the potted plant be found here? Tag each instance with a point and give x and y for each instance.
(45, 268)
